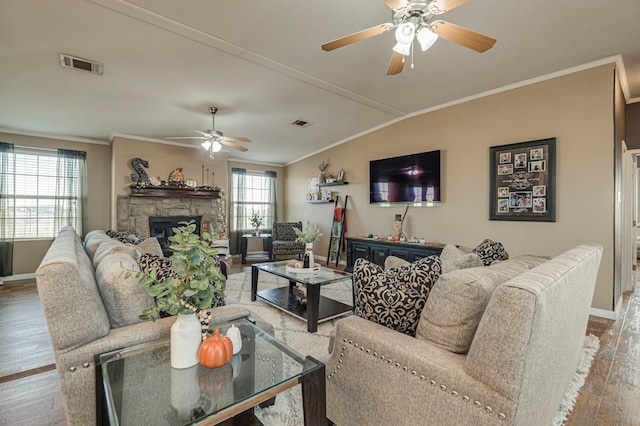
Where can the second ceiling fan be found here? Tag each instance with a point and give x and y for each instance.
(415, 19)
(214, 139)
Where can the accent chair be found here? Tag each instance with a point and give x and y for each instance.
(284, 240)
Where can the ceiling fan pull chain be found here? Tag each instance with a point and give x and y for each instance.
(412, 43)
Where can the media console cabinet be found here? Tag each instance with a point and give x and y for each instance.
(377, 250)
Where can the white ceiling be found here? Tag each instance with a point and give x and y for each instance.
(260, 63)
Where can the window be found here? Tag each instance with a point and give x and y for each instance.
(252, 191)
(48, 191)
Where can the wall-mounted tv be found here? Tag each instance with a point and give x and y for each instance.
(413, 178)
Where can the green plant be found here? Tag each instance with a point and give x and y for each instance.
(255, 219)
(308, 234)
(196, 276)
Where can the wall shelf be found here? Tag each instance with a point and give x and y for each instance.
(319, 201)
(342, 182)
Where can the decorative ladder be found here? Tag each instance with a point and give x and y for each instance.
(337, 230)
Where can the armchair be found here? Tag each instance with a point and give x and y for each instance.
(284, 239)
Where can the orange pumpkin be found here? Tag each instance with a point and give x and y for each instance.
(215, 351)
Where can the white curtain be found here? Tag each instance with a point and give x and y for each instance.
(7, 207)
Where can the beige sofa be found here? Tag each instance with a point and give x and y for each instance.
(521, 358)
(91, 308)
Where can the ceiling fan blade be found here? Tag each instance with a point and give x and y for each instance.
(463, 36)
(205, 134)
(442, 6)
(187, 137)
(396, 4)
(360, 35)
(233, 145)
(396, 64)
(236, 138)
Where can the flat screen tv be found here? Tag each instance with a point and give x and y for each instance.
(413, 178)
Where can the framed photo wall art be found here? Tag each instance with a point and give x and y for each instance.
(523, 181)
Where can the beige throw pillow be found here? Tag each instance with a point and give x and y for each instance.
(394, 262)
(458, 301)
(453, 258)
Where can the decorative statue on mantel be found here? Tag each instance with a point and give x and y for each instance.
(140, 177)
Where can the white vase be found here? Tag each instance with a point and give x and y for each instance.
(186, 337)
(308, 249)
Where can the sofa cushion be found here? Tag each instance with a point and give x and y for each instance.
(150, 245)
(123, 297)
(453, 258)
(92, 242)
(457, 302)
(395, 297)
(490, 251)
(110, 247)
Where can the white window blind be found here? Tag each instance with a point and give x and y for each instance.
(36, 176)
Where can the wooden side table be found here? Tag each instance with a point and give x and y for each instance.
(265, 253)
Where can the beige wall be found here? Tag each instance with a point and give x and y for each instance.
(576, 109)
(163, 159)
(28, 254)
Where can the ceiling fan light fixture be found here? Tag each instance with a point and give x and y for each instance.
(206, 145)
(403, 49)
(405, 33)
(216, 146)
(426, 38)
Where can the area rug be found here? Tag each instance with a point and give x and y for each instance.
(288, 408)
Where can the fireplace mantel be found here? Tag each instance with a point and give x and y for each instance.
(173, 192)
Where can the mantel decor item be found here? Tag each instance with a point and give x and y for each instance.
(523, 181)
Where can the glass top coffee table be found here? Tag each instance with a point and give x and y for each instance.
(141, 387)
(318, 308)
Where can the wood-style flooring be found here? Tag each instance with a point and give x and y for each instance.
(30, 393)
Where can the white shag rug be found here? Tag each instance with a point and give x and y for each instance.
(287, 410)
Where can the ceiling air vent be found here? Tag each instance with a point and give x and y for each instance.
(69, 61)
(301, 123)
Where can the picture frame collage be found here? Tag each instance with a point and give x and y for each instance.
(522, 183)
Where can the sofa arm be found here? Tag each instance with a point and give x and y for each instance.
(376, 375)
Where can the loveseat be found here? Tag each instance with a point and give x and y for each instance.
(92, 308)
(511, 367)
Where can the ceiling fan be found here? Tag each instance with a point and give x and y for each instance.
(417, 19)
(214, 139)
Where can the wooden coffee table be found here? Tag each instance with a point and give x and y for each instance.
(318, 308)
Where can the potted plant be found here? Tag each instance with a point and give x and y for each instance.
(256, 221)
(187, 290)
(308, 235)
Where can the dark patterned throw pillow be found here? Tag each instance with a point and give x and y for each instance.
(395, 297)
(131, 236)
(147, 262)
(490, 251)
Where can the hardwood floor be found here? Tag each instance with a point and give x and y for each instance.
(30, 392)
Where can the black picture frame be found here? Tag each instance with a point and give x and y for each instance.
(524, 188)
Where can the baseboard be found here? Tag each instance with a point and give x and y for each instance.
(603, 313)
(19, 277)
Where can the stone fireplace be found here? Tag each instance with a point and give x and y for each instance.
(133, 212)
